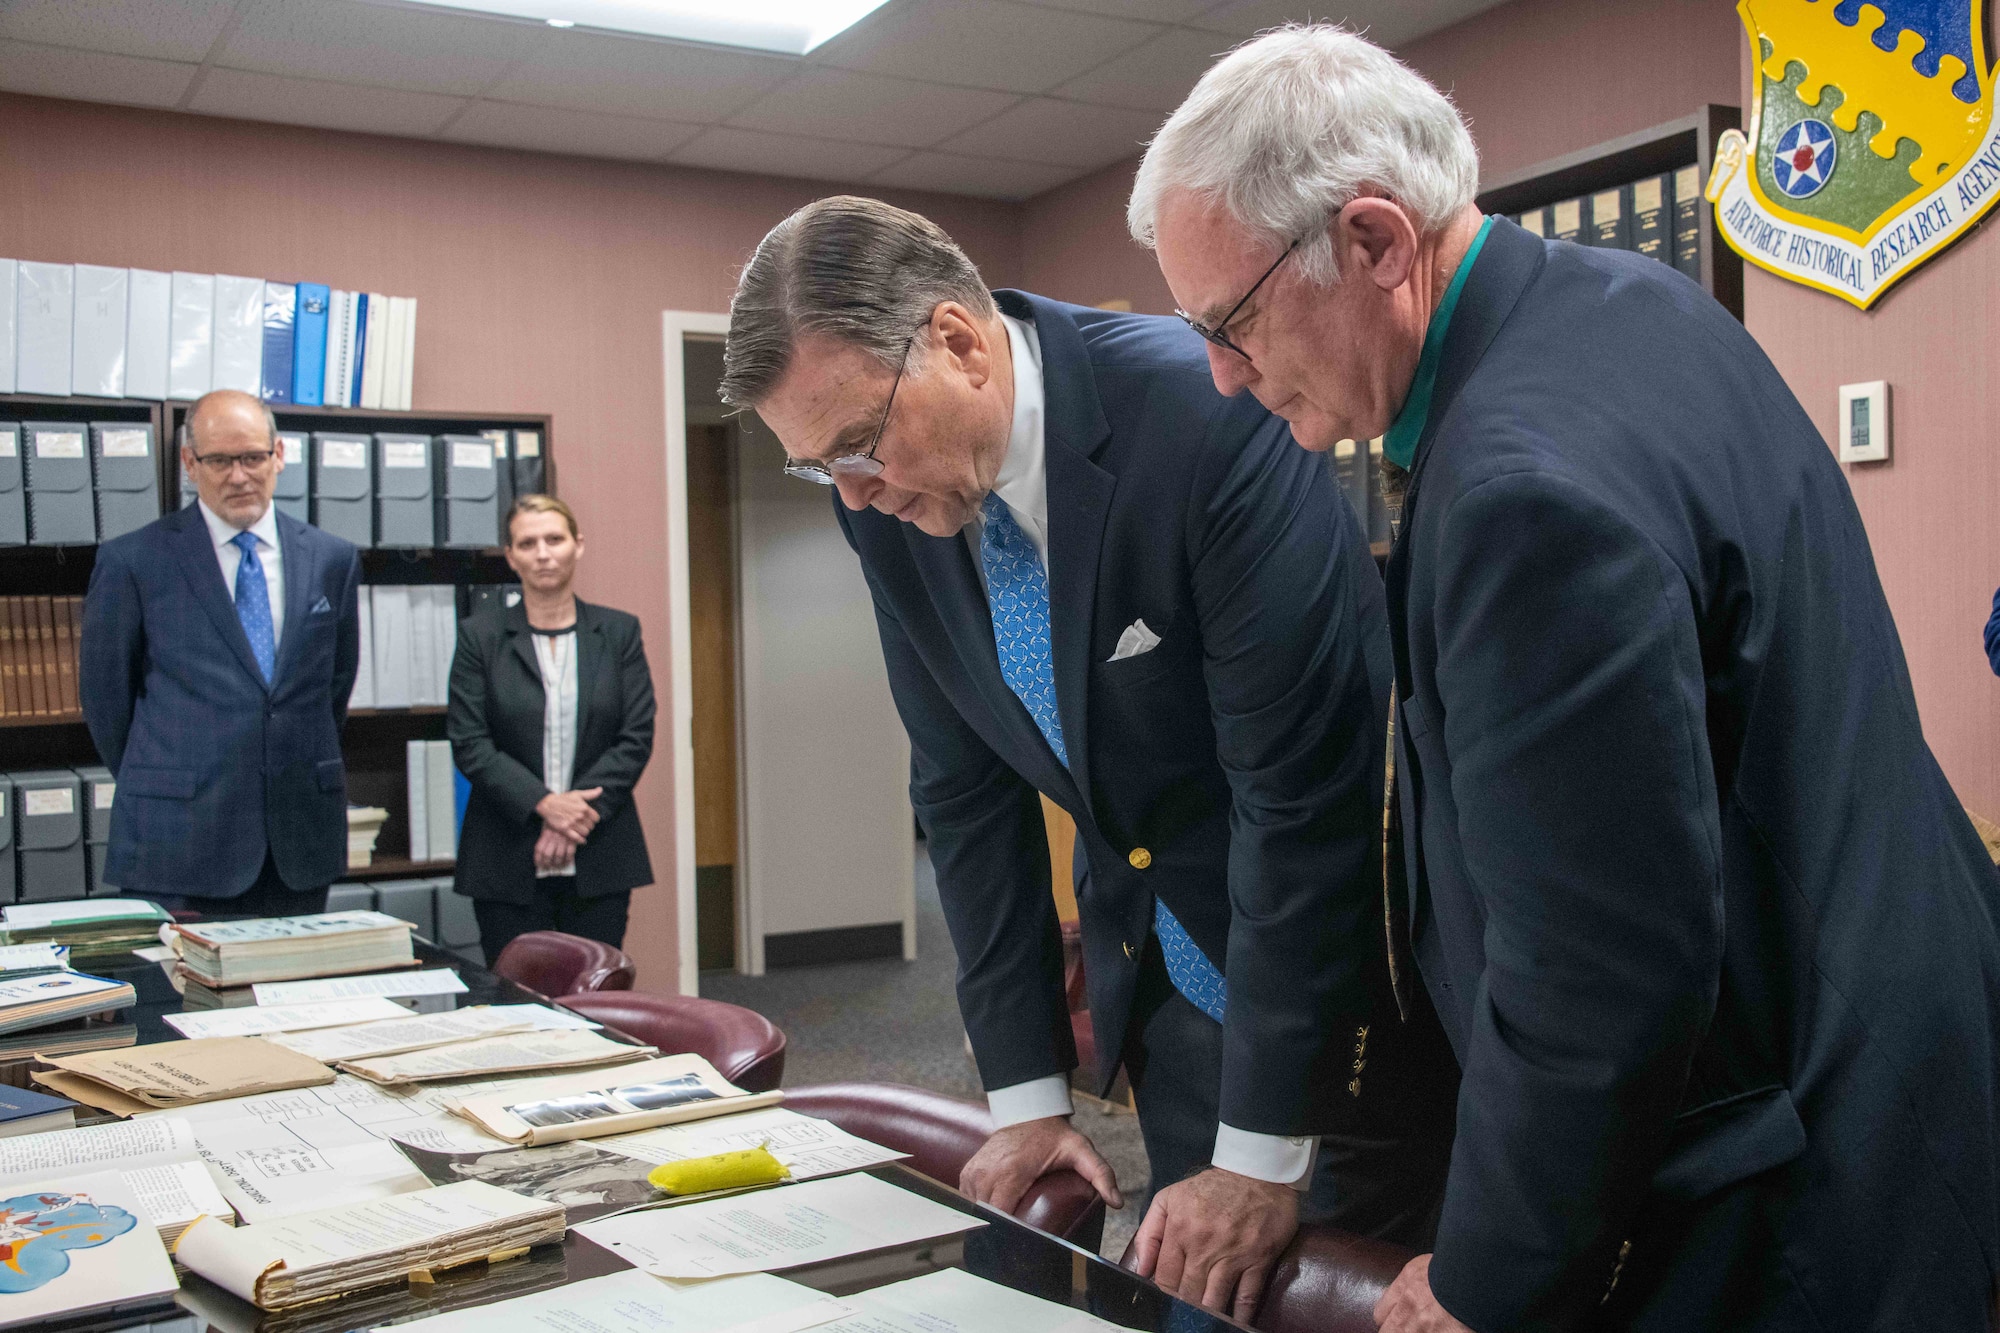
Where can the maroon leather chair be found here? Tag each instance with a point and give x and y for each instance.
(550, 963)
(1326, 1281)
(743, 1045)
(941, 1133)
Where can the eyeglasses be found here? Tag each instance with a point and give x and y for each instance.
(853, 465)
(252, 461)
(1216, 334)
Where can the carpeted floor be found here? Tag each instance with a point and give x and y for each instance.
(895, 1022)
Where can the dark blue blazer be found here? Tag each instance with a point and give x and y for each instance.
(213, 767)
(1243, 753)
(1711, 934)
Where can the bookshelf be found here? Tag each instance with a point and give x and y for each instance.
(1686, 141)
(374, 740)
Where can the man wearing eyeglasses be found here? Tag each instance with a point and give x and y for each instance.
(1097, 579)
(219, 647)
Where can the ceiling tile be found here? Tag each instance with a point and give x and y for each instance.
(332, 106)
(52, 71)
(183, 30)
(870, 109)
(552, 130)
(1387, 22)
(385, 46)
(980, 176)
(728, 149)
(983, 44)
(1157, 11)
(635, 76)
(1153, 77)
(1065, 134)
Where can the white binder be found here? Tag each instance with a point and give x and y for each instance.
(239, 334)
(440, 802)
(444, 605)
(363, 694)
(97, 355)
(191, 331)
(45, 309)
(423, 650)
(339, 314)
(373, 351)
(149, 304)
(7, 299)
(392, 645)
(416, 789)
(409, 361)
(393, 352)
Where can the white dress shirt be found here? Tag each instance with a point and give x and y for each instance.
(556, 655)
(1023, 486)
(229, 556)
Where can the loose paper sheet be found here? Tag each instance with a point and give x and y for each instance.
(955, 1301)
(598, 1103)
(431, 981)
(401, 1032)
(252, 1021)
(808, 1146)
(28, 957)
(782, 1227)
(493, 1055)
(352, 1110)
(636, 1302)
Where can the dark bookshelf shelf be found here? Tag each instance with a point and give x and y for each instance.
(1686, 141)
(43, 720)
(389, 867)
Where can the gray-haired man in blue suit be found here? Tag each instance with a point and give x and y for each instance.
(219, 648)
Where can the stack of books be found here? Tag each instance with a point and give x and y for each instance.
(92, 926)
(37, 1001)
(25, 1111)
(287, 948)
(39, 638)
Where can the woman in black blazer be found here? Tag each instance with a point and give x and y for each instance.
(551, 721)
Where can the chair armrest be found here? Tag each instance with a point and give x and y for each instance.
(1064, 1204)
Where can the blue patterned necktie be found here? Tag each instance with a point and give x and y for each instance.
(1017, 591)
(253, 604)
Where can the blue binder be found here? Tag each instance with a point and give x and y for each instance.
(309, 344)
(280, 310)
(360, 346)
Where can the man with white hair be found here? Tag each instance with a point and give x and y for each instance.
(1712, 938)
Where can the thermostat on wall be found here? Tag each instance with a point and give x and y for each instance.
(1864, 422)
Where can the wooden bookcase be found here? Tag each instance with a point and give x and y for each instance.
(1688, 140)
(373, 742)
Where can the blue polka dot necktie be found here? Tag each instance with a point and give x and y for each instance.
(253, 604)
(1017, 591)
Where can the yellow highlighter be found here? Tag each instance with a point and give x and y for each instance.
(723, 1171)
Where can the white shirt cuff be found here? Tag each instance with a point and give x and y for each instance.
(1271, 1157)
(1037, 1099)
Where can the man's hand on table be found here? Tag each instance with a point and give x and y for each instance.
(1019, 1155)
(1211, 1239)
(1408, 1306)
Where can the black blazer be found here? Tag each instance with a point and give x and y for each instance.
(495, 724)
(1713, 938)
(214, 767)
(1243, 753)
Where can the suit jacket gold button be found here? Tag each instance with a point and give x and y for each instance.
(1128, 948)
(1140, 858)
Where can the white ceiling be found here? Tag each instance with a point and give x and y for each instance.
(999, 98)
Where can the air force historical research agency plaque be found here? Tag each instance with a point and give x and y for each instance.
(1872, 145)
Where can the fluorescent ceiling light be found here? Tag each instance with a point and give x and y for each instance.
(791, 27)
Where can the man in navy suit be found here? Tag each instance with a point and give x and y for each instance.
(219, 648)
(1097, 579)
(1713, 938)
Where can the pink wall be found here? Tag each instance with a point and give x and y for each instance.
(539, 279)
(1074, 245)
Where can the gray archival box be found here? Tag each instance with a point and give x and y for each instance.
(100, 789)
(343, 492)
(13, 494)
(48, 832)
(468, 498)
(126, 474)
(403, 514)
(292, 492)
(56, 455)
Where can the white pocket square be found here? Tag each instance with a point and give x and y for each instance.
(1135, 640)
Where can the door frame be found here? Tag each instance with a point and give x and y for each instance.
(675, 325)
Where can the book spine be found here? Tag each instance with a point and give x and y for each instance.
(64, 614)
(7, 703)
(41, 677)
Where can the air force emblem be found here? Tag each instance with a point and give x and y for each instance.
(1872, 145)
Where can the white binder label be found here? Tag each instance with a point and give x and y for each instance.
(468, 454)
(405, 453)
(294, 447)
(59, 444)
(104, 794)
(53, 801)
(125, 444)
(10, 444)
(499, 439)
(527, 444)
(343, 453)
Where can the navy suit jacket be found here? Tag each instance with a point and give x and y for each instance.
(214, 767)
(1243, 753)
(1712, 936)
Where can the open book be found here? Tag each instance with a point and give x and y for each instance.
(610, 1101)
(157, 1160)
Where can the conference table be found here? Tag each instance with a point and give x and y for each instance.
(1003, 1251)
